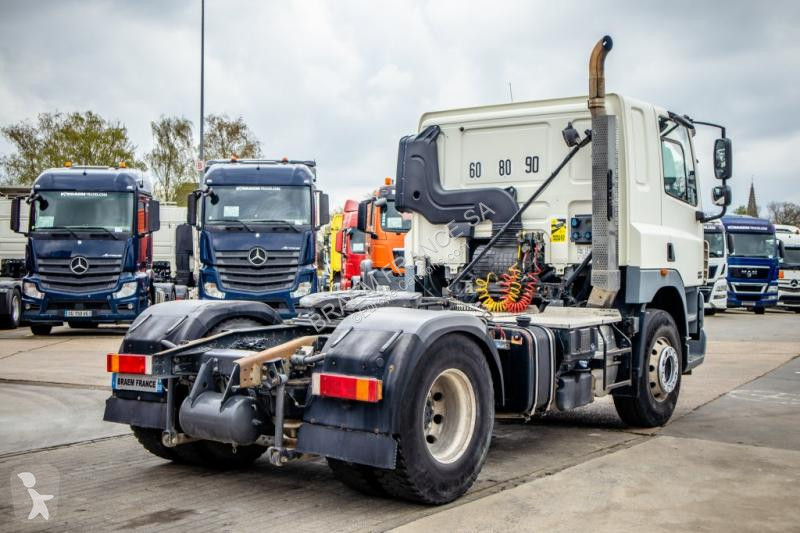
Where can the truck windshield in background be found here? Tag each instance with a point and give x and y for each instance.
(393, 220)
(791, 256)
(716, 243)
(74, 210)
(258, 203)
(754, 245)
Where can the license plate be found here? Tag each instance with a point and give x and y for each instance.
(748, 304)
(82, 314)
(136, 382)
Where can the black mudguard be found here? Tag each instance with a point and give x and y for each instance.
(386, 343)
(187, 320)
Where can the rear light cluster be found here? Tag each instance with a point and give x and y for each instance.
(347, 387)
(126, 363)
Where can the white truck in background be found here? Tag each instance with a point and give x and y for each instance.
(715, 290)
(789, 275)
(12, 261)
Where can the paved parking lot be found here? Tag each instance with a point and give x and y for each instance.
(729, 459)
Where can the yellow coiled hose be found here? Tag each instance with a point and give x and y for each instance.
(482, 290)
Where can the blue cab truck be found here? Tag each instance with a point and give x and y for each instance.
(89, 255)
(753, 262)
(258, 222)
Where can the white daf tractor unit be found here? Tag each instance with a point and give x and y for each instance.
(556, 255)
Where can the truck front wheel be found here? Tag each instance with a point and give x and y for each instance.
(41, 329)
(446, 427)
(659, 381)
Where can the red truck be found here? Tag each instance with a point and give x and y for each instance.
(352, 244)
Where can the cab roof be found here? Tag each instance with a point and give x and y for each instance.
(260, 173)
(747, 224)
(93, 179)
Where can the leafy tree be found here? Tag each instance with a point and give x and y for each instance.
(225, 137)
(784, 213)
(741, 210)
(171, 160)
(54, 138)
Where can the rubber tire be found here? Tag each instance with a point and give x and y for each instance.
(709, 312)
(41, 329)
(643, 410)
(360, 478)
(8, 321)
(759, 310)
(83, 325)
(797, 310)
(417, 476)
(200, 453)
(234, 323)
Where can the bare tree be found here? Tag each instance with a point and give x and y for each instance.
(784, 213)
(226, 137)
(172, 155)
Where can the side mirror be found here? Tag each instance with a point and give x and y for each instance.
(729, 241)
(781, 250)
(153, 216)
(191, 208)
(363, 209)
(15, 220)
(339, 245)
(723, 159)
(721, 195)
(323, 209)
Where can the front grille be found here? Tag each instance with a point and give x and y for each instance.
(748, 287)
(278, 272)
(102, 274)
(748, 272)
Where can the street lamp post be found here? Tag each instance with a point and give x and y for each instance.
(202, 77)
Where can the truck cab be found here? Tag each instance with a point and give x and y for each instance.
(89, 251)
(386, 229)
(715, 290)
(257, 224)
(753, 262)
(351, 243)
(789, 275)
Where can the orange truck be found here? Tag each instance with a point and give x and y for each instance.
(386, 229)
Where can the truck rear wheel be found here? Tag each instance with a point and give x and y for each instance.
(360, 478)
(41, 329)
(444, 434)
(11, 320)
(659, 381)
(201, 453)
(759, 310)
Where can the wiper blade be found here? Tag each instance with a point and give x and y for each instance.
(57, 228)
(225, 222)
(94, 228)
(277, 222)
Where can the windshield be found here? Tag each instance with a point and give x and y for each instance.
(754, 245)
(716, 244)
(358, 240)
(791, 256)
(112, 211)
(259, 203)
(392, 219)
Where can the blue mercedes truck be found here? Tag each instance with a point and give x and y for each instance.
(753, 262)
(89, 252)
(257, 222)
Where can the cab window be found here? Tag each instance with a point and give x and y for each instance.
(680, 179)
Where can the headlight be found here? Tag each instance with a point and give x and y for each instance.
(211, 289)
(303, 288)
(31, 291)
(772, 289)
(128, 289)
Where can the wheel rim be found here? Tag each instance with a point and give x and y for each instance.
(664, 369)
(15, 308)
(449, 416)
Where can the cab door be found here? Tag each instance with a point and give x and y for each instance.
(679, 203)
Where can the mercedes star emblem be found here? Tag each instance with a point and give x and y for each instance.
(257, 256)
(79, 265)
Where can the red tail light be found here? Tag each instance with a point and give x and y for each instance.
(126, 363)
(347, 387)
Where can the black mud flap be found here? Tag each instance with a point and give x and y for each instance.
(358, 447)
(136, 413)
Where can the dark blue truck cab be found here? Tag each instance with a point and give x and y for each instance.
(89, 253)
(753, 262)
(258, 222)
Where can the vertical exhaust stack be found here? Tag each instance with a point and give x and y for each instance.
(605, 191)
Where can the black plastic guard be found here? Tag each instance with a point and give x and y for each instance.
(358, 447)
(419, 187)
(136, 413)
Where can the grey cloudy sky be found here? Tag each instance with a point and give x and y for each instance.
(343, 81)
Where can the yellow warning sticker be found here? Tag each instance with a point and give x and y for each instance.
(558, 230)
